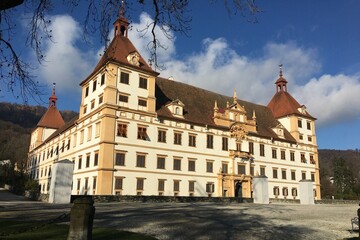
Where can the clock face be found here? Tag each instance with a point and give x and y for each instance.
(134, 59)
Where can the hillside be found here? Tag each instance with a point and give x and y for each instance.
(16, 123)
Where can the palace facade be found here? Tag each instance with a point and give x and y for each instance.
(140, 134)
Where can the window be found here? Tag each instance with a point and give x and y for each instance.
(308, 125)
(252, 170)
(142, 102)
(102, 79)
(87, 91)
(292, 156)
(262, 171)
(241, 169)
(301, 137)
(191, 165)
(282, 154)
(275, 173)
(86, 185)
(162, 136)
(84, 109)
(313, 177)
(309, 138)
(262, 150)
(101, 99)
(97, 129)
(118, 183)
(191, 186)
(192, 140)
(120, 159)
(94, 85)
(140, 160)
(177, 138)
(124, 78)
(75, 138)
(210, 141)
(302, 156)
(94, 184)
(293, 175)
(81, 136)
(225, 144)
(140, 184)
(142, 133)
(209, 167)
(79, 163)
(294, 192)
(283, 173)
(274, 153)
(96, 159)
(143, 83)
(123, 98)
(89, 133)
(177, 164)
(299, 123)
(276, 191)
(160, 162)
(88, 160)
(251, 147)
(303, 175)
(122, 130)
(238, 146)
(176, 185)
(285, 191)
(161, 185)
(78, 184)
(210, 187)
(312, 161)
(224, 167)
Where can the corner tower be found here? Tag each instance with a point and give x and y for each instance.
(293, 116)
(48, 124)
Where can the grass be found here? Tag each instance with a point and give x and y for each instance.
(28, 230)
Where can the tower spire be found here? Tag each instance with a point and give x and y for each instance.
(53, 98)
(281, 82)
(121, 24)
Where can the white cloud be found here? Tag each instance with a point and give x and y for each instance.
(65, 63)
(141, 38)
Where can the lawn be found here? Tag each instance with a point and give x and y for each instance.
(31, 231)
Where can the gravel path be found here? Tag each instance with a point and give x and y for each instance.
(177, 221)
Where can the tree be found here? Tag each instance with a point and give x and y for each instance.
(168, 15)
(343, 177)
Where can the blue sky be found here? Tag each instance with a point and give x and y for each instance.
(318, 43)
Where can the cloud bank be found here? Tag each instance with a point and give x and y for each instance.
(65, 63)
(218, 67)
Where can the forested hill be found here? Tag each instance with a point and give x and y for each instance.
(16, 123)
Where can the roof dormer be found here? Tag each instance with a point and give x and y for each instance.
(279, 130)
(176, 107)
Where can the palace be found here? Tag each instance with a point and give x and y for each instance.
(140, 134)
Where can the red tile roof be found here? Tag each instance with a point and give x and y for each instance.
(283, 104)
(199, 108)
(51, 119)
(118, 50)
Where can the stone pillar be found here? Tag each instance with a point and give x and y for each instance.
(261, 190)
(306, 192)
(61, 180)
(81, 219)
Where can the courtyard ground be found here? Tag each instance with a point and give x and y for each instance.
(178, 221)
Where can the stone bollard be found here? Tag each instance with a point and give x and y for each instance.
(81, 219)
